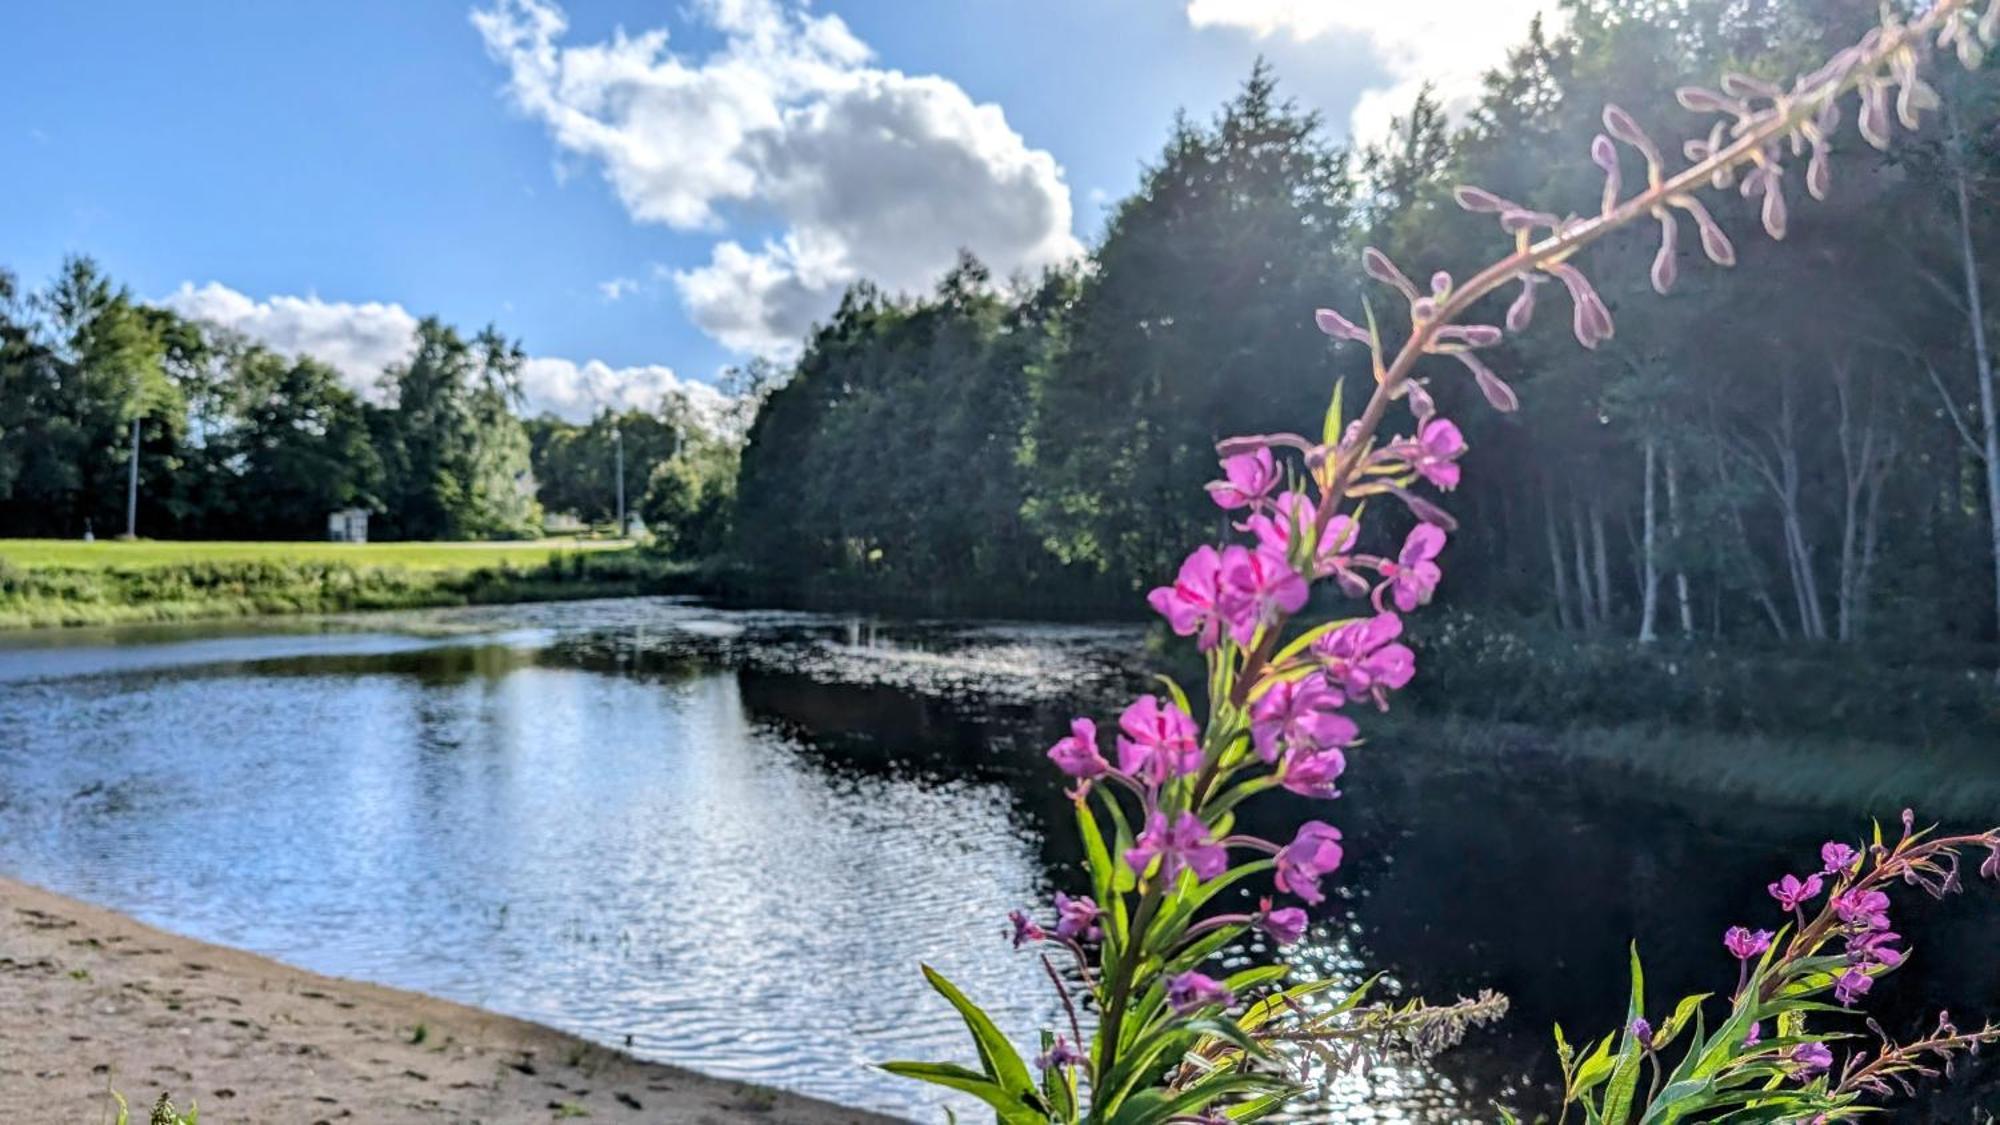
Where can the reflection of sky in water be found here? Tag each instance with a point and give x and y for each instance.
(613, 856)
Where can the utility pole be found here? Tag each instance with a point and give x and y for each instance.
(132, 487)
(618, 439)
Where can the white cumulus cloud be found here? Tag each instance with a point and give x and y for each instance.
(358, 340)
(1449, 43)
(866, 171)
(361, 339)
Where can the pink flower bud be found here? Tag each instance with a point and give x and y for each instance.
(1697, 99)
(1744, 86)
(1714, 243)
(1339, 327)
(1378, 266)
(1621, 125)
(1774, 204)
(1498, 394)
(1522, 312)
(1665, 264)
(1480, 201)
(1471, 335)
(1819, 174)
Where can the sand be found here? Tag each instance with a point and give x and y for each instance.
(91, 1000)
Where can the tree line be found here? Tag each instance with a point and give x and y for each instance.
(232, 440)
(1799, 449)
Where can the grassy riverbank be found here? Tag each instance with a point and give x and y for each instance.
(59, 582)
(1709, 770)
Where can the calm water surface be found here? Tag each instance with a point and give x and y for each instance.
(732, 836)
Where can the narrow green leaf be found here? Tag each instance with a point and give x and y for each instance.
(1003, 1064)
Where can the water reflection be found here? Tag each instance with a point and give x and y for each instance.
(732, 836)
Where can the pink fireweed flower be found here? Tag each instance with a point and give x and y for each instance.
(1299, 715)
(1076, 918)
(1837, 857)
(1434, 452)
(1060, 1053)
(1257, 588)
(1791, 894)
(1863, 908)
(1745, 943)
(1641, 1029)
(1159, 741)
(1248, 479)
(1852, 985)
(1297, 512)
(1186, 844)
(1190, 992)
(1360, 661)
(1025, 929)
(1286, 924)
(1190, 604)
(1755, 1036)
(1078, 755)
(1875, 947)
(1313, 853)
(1313, 773)
(1413, 577)
(1813, 1058)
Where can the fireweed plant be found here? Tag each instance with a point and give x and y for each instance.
(1152, 1031)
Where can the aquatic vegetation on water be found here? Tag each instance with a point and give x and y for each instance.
(1179, 1039)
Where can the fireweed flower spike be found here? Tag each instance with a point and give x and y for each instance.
(1286, 924)
(1792, 894)
(1076, 918)
(1745, 944)
(1839, 858)
(1249, 478)
(1191, 604)
(1025, 929)
(1414, 576)
(1259, 588)
(1185, 845)
(1078, 755)
(1191, 992)
(1300, 716)
(1314, 853)
(1158, 741)
(1812, 1058)
(1160, 841)
(1360, 659)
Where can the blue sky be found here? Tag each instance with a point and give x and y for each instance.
(365, 161)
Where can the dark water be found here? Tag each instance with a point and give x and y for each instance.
(732, 837)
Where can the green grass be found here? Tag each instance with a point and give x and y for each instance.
(45, 583)
(74, 554)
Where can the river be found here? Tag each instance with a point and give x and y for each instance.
(726, 838)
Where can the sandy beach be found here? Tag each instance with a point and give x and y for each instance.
(91, 1000)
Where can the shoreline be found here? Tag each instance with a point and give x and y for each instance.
(92, 1000)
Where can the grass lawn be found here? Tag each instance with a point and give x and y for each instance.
(74, 554)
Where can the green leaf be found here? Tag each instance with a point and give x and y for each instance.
(1011, 1109)
(1003, 1064)
(1624, 1082)
(1330, 431)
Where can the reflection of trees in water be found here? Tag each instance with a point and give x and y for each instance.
(1524, 877)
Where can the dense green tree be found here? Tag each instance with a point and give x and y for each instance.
(302, 449)
(1194, 324)
(576, 467)
(455, 456)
